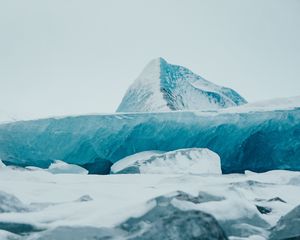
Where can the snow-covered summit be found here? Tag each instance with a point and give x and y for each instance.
(164, 87)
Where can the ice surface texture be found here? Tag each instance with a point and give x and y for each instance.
(257, 141)
(163, 221)
(182, 161)
(148, 206)
(10, 203)
(164, 87)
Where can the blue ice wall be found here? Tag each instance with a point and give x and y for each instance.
(257, 141)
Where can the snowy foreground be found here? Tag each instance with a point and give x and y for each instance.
(36, 204)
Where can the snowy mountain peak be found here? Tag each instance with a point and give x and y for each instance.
(163, 87)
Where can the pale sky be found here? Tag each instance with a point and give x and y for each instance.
(60, 57)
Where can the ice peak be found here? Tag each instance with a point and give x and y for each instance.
(164, 87)
(155, 64)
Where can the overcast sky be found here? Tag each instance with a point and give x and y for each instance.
(61, 57)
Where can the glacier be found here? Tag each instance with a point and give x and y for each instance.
(167, 87)
(257, 137)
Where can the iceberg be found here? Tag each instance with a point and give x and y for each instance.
(167, 87)
(181, 161)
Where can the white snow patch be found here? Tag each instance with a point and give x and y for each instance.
(5, 235)
(59, 167)
(265, 106)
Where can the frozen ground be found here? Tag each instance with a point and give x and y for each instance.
(40, 205)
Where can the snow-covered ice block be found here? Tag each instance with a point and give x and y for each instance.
(243, 137)
(61, 167)
(182, 161)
